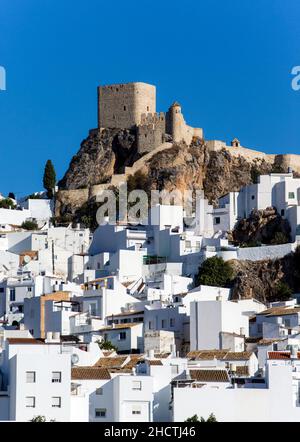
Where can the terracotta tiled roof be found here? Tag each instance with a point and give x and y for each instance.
(238, 356)
(209, 375)
(154, 362)
(207, 354)
(27, 341)
(111, 362)
(218, 354)
(162, 355)
(120, 326)
(242, 370)
(280, 311)
(279, 355)
(267, 341)
(134, 359)
(89, 373)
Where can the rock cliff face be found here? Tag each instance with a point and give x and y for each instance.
(101, 155)
(261, 279)
(262, 226)
(181, 167)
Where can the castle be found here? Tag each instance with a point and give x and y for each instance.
(133, 105)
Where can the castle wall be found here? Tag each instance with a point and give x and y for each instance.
(121, 105)
(177, 127)
(151, 132)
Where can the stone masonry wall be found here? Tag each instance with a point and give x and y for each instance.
(121, 105)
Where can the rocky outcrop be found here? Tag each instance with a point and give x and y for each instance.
(101, 155)
(261, 227)
(261, 279)
(105, 158)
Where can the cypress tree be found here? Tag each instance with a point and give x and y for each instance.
(49, 179)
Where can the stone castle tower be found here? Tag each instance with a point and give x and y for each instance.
(133, 106)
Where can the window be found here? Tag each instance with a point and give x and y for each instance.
(1, 290)
(282, 212)
(30, 377)
(188, 244)
(100, 412)
(172, 322)
(122, 336)
(124, 108)
(163, 323)
(56, 402)
(56, 376)
(150, 325)
(217, 220)
(29, 289)
(12, 295)
(148, 108)
(291, 195)
(287, 322)
(99, 391)
(93, 309)
(30, 402)
(136, 409)
(136, 385)
(253, 197)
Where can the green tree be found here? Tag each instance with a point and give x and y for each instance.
(280, 238)
(7, 203)
(30, 225)
(211, 418)
(254, 175)
(49, 179)
(106, 345)
(214, 272)
(38, 419)
(11, 195)
(283, 292)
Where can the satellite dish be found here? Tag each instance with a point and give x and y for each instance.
(26, 259)
(74, 359)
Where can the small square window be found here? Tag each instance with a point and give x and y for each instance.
(30, 377)
(29, 289)
(291, 195)
(136, 409)
(56, 376)
(253, 197)
(56, 402)
(217, 220)
(136, 385)
(99, 391)
(30, 402)
(100, 412)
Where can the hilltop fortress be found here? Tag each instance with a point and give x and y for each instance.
(133, 137)
(133, 105)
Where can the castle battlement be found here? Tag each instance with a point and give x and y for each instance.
(133, 106)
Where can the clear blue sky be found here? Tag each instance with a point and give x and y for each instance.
(228, 62)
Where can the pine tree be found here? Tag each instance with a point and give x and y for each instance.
(49, 179)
